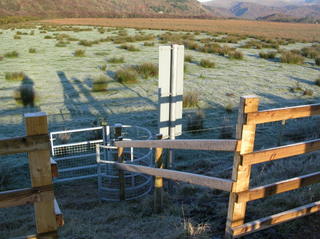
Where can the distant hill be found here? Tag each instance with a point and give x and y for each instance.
(103, 8)
(273, 10)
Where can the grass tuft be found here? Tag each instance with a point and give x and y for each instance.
(317, 61)
(268, 55)
(11, 54)
(129, 47)
(147, 70)
(188, 58)
(126, 76)
(100, 84)
(116, 60)
(191, 99)
(14, 76)
(318, 82)
(195, 121)
(148, 44)
(207, 63)
(80, 53)
(291, 58)
(32, 50)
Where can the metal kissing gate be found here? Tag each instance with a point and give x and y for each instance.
(76, 156)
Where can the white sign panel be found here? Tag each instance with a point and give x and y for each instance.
(171, 72)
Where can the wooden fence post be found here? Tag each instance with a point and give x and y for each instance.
(41, 175)
(241, 174)
(158, 182)
(120, 159)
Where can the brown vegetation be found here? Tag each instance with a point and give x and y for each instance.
(308, 32)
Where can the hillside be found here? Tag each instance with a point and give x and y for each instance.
(102, 8)
(284, 10)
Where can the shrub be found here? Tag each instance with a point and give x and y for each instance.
(195, 121)
(79, 53)
(291, 58)
(126, 76)
(268, 55)
(14, 76)
(32, 50)
(129, 47)
(188, 58)
(148, 44)
(318, 82)
(191, 99)
(11, 54)
(147, 70)
(317, 61)
(207, 63)
(116, 60)
(100, 84)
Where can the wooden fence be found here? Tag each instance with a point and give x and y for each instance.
(48, 216)
(244, 158)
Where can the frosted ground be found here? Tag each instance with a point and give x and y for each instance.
(63, 84)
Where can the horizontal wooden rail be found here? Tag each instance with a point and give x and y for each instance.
(24, 144)
(59, 215)
(281, 152)
(273, 220)
(22, 196)
(214, 145)
(210, 182)
(273, 115)
(279, 187)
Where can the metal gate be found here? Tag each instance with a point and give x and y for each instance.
(75, 152)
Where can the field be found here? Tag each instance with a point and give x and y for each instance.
(63, 65)
(308, 32)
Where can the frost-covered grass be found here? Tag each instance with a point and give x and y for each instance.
(67, 94)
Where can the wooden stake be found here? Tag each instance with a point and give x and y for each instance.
(41, 175)
(241, 174)
(158, 182)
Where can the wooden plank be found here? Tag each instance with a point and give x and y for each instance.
(273, 115)
(54, 168)
(281, 152)
(59, 215)
(279, 187)
(210, 182)
(24, 144)
(21, 197)
(241, 174)
(199, 144)
(40, 173)
(273, 220)
(158, 181)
